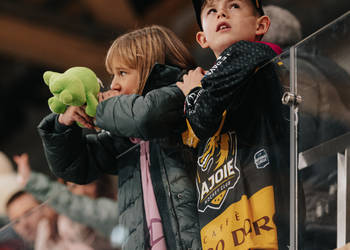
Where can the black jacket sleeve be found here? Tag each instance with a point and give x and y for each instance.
(226, 85)
(75, 156)
(158, 113)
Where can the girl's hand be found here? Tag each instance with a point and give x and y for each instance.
(23, 168)
(76, 114)
(191, 80)
(107, 94)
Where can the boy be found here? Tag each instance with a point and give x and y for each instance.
(240, 121)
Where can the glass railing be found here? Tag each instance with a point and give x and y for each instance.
(315, 75)
(320, 77)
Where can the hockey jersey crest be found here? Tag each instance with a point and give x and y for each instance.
(234, 214)
(218, 173)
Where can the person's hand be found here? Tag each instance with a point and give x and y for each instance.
(23, 168)
(76, 114)
(107, 94)
(191, 80)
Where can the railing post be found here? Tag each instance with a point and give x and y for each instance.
(343, 198)
(293, 154)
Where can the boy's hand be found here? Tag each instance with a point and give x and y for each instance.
(76, 114)
(23, 168)
(191, 80)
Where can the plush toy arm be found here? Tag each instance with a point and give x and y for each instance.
(56, 105)
(91, 103)
(49, 76)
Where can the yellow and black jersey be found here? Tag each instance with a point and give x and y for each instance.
(243, 154)
(236, 204)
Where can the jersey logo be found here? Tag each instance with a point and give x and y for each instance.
(261, 159)
(215, 146)
(217, 173)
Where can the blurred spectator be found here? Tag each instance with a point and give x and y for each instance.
(8, 186)
(32, 221)
(27, 216)
(38, 224)
(285, 28)
(92, 205)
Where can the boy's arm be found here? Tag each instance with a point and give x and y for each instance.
(73, 156)
(225, 85)
(157, 114)
(100, 214)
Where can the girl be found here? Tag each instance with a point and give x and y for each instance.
(156, 196)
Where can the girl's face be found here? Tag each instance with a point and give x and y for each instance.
(125, 79)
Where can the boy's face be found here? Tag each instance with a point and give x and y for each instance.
(226, 22)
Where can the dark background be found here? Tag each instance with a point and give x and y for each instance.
(37, 35)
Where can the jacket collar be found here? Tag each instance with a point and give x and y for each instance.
(162, 75)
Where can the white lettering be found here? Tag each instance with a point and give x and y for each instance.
(205, 189)
(212, 182)
(225, 171)
(230, 168)
(219, 176)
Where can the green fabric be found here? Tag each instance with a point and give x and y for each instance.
(77, 86)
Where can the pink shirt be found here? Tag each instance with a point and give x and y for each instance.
(154, 221)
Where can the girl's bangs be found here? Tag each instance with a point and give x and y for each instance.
(123, 52)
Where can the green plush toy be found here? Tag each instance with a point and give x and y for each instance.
(77, 86)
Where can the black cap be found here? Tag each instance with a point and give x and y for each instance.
(197, 5)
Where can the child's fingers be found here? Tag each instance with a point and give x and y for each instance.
(23, 168)
(83, 121)
(81, 112)
(100, 97)
(25, 157)
(76, 114)
(81, 117)
(200, 70)
(107, 94)
(185, 77)
(110, 93)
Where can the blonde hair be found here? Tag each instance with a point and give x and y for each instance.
(142, 48)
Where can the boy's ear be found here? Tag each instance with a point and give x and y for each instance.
(201, 39)
(263, 24)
